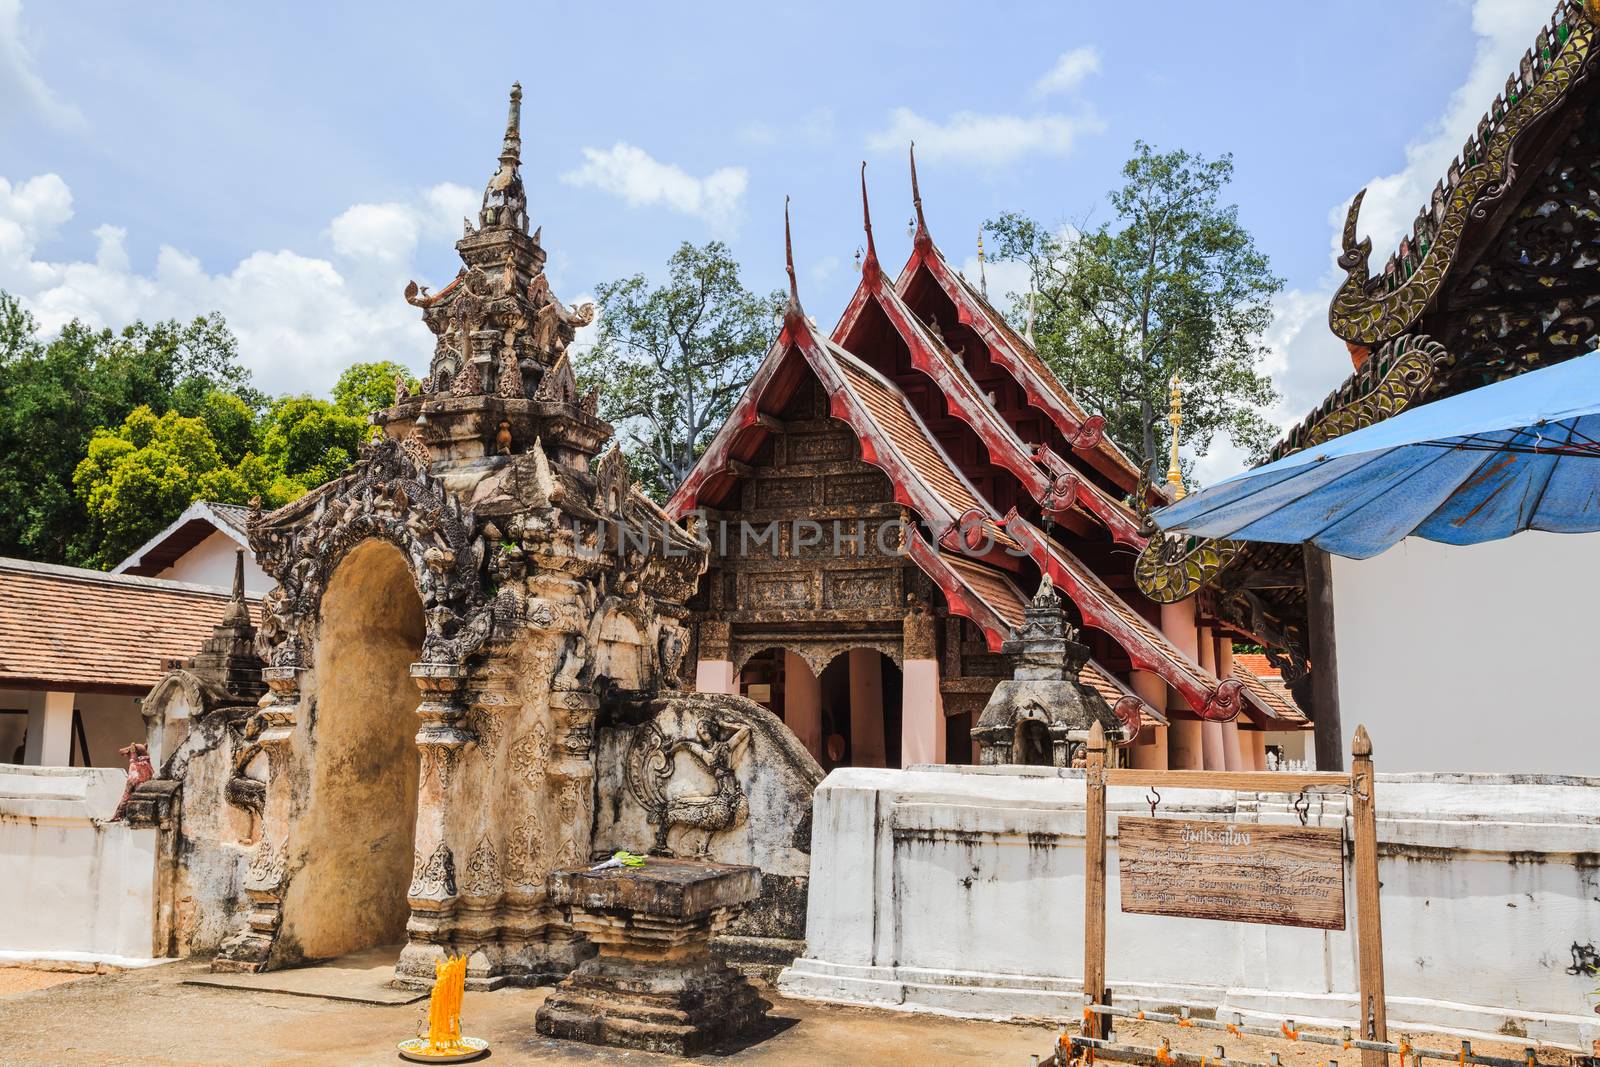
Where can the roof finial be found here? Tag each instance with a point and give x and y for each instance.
(511, 150)
(1027, 329)
(793, 312)
(983, 276)
(870, 264)
(1175, 418)
(916, 200)
(237, 612)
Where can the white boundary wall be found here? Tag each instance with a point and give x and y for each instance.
(1474, 658)
(75, 887)
(960, 890)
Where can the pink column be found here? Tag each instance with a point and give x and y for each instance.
(921, 703)
(802, 702)
(1177, 622)
(1233, 755)
(714, 676)
(1214, 742)
(1185, 745)
(921, 714)
(1253, 743)
(1152, 756)
(866, 708)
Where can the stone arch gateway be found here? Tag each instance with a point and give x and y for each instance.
(468, 628)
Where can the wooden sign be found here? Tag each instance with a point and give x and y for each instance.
(1282, 875)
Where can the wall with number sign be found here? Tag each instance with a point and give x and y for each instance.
(960, 890)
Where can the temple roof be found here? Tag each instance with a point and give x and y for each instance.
(91, 632)
(964, 525)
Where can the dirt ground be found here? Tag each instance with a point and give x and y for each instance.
(147, 1017)
(1303, 1054)
(26, 979)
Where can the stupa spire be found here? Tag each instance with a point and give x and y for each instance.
(505, 204)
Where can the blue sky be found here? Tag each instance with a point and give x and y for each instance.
(293, 165)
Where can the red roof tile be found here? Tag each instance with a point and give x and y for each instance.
(83, 630)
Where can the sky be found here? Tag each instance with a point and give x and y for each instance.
(293, 165)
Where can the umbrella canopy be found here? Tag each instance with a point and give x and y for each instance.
(1522, 454)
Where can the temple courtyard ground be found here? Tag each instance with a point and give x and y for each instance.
(156, 1017)
(150, 1017)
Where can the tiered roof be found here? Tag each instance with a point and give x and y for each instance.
(976, 554)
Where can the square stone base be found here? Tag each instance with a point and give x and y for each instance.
(681, 1009)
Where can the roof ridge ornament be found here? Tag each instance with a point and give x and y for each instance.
(793, 312)
(869, 265)
(920, 237)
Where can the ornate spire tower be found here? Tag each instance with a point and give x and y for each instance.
(499, 379)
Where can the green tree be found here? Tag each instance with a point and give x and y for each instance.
(365, 388)
(311, 440)
(1173, 286)
(672, 360)
(55, 394)
(140, 475)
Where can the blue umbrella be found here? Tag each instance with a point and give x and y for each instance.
(1522, 454)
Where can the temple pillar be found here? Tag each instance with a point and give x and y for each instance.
(802, 702)
(866, 708)
(1150, 753)
(49, 741)
(921, 703)
(433, 893)
(1185, 752)
(713, 671)
(1233, 754)
(1253, 746)
(1177, 623)
(714, 676)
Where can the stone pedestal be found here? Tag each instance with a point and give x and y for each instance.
(654, 985)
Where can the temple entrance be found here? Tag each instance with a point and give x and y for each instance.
(356, 831)
(847, 717)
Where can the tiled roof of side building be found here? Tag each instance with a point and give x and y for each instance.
(89, 631)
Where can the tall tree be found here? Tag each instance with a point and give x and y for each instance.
(364, 388)
(672, 360)
(54, 394)
(1172, 287)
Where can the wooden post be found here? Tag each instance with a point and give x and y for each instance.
(1374, 1024)
(1329, 734)
(1094, 879)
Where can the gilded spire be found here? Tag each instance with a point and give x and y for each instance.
(921, 235)
(1175, 419)
(870, 264)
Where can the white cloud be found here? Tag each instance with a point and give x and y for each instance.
(300, 318)
(985, 141)
(1306, 360)
(631, 173)
(18, 79)
(1069, 72)
(1505, 28)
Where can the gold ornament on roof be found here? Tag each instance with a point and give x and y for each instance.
(1175, 418)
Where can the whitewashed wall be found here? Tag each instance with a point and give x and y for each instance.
(960, 890)
(1479, 658)
(211, 563)
(75, 887)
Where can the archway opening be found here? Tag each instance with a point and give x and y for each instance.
(356, 832)
(1032, 745)
(861, 692)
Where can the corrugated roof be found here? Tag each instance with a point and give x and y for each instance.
(83, 630)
